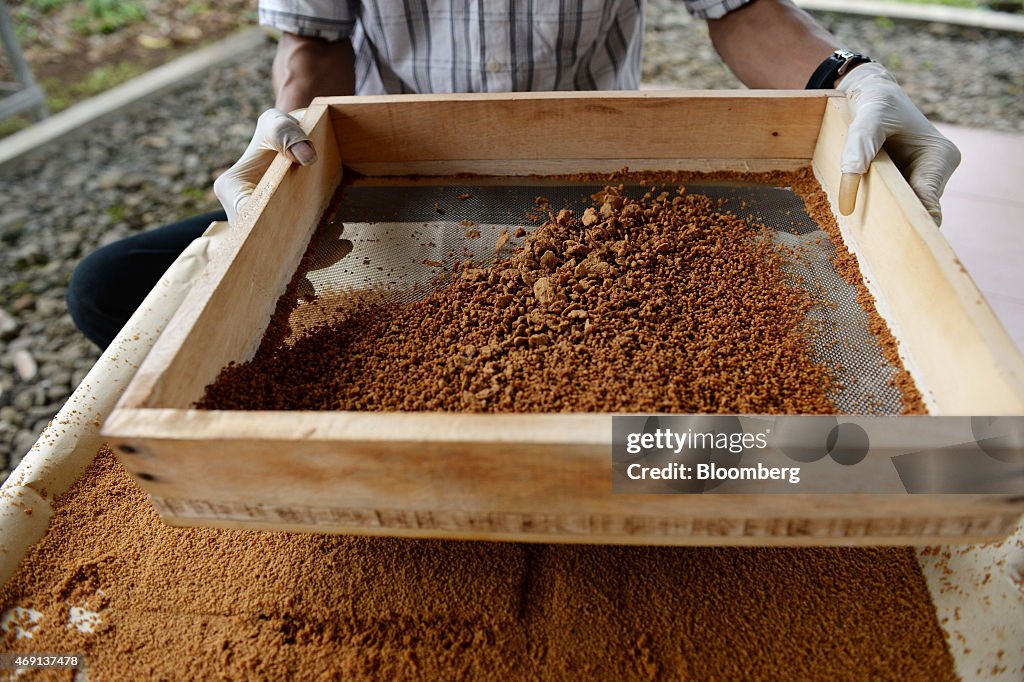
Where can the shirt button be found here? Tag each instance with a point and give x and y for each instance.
(494, 66)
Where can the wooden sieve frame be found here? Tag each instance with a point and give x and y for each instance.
(542, 477)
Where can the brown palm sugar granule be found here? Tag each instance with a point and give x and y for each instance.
(661, 304)
(203, 604)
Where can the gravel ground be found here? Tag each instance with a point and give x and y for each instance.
(155, 163)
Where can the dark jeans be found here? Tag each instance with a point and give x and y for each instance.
(110, 283)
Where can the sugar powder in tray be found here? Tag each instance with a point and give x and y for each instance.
(659, 303)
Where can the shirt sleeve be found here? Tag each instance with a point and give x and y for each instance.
(713, 9)
(324, 19)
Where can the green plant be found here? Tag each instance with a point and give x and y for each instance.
(106, 77)
(194, 8)
(60, 95)
(19, 288)
(25, 25)
(107, 16)
(25, 33)
(196, 194)
(47, 6)
(13, 124)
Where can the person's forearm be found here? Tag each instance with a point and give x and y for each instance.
(305, 68)
(771, 44)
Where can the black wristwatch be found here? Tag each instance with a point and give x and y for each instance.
(841, 61)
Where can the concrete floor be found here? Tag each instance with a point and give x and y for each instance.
(983, 218)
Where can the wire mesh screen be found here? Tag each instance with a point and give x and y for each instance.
(399, 237)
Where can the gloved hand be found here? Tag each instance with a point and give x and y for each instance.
(884, 114)
(276, 133)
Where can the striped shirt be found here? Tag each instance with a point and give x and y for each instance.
(432, 46)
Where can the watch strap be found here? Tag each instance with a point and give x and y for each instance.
(838, 63)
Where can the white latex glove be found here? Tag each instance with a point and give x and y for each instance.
(884, 114)
(276, 133)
